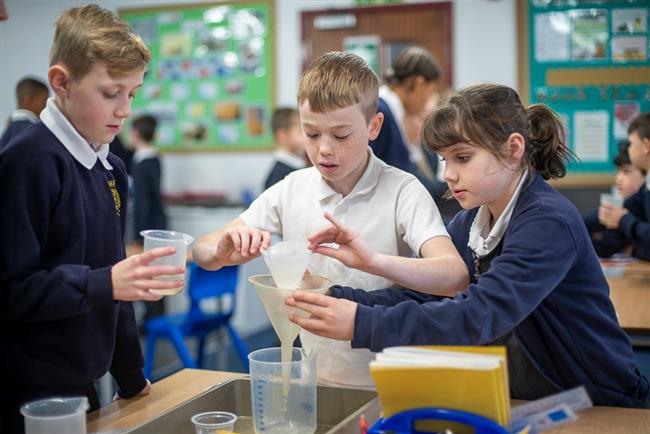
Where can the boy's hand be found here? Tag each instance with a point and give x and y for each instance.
(329, 317)
(352, 252)
(133, 277)
(146, 390)
(610, 216)
(240, 244)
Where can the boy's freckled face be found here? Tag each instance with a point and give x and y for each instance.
(97, 104)
(639, 151)
(337, 143)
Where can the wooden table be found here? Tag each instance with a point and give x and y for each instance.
(165, 395)
(184, 385)
(630, 294)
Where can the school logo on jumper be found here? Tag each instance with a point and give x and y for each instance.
(116, 196)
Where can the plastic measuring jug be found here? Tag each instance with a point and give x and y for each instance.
(214, 422)
(159, 238)
(56, 416)
(614, 199)
(271, 413)
(272, 298)
(287, 261)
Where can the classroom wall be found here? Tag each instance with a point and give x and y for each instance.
(484, 44)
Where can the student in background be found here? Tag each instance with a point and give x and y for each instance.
(123, 153)
(31, 95)
(628, 181)
(290, 145)
(66, 287)
(148, 207)
(633, 219)
(337, 99)
(410, 84)
(429, 165)
(536, 284)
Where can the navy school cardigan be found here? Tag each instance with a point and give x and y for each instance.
(546, 285)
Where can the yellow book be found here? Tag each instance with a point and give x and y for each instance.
(472, 379)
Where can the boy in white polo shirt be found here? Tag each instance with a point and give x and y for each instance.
(337, 99)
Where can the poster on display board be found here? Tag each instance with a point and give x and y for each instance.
(211, 76)
(588, 60)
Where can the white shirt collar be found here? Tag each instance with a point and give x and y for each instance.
(647, 180)
(289, 159)
(23, 115)
(367, 182)
(76, 145)
(396, 107)
(480, 241)
(143, 154)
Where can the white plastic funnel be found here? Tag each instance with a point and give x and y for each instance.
(273, 300)
(287, 261)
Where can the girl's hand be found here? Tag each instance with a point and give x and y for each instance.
(133, 277)
(352, 252)
(240, 244)
(610, 216)
(329, 317)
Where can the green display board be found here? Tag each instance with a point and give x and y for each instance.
(588, 60)
(211, 77)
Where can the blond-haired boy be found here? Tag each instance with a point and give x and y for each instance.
(337, 99)
(66, 319)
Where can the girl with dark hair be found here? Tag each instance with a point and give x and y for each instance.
(409, 85)
(536, 284)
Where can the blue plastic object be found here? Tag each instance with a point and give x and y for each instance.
(402, 422)
(202, 284)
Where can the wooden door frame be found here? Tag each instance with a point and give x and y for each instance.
(307, 17)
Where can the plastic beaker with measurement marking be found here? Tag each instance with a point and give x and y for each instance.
(159, 238)
(273, 412)
(56, 416)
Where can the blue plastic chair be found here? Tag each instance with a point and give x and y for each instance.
(217, 285)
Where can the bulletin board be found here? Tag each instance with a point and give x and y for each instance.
(210, 82)
(588, 60)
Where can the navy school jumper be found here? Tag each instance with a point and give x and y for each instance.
(634, 228)
(546, 285)
(62, 227)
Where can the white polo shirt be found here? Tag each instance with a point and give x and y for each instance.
(391, 211)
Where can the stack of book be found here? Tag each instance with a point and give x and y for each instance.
(472, 379)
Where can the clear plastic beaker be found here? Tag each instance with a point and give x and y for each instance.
(214, 422)
(56, 416)
(612, 199)
(159, 238)
(287, 261)
(273, 412)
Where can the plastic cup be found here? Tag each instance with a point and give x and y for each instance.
(160, 238)
(612, 199)
(214, 422)
(273, 411)
(287, 261)
(56, 416)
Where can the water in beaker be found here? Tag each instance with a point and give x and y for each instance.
(272, 412)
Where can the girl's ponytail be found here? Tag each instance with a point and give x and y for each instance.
(547, 152)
